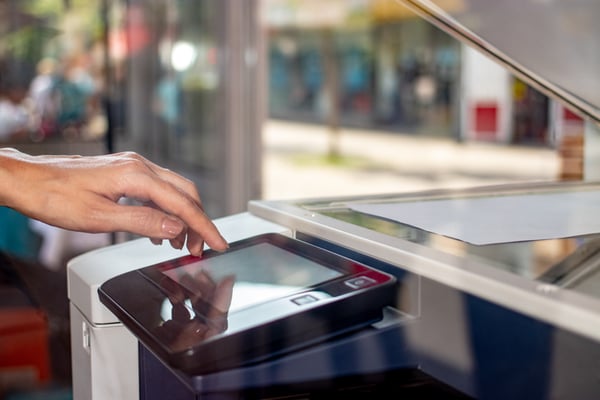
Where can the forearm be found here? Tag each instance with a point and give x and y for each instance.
(82, 193)
(12, 164)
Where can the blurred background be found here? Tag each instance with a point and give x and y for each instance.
(251, 99)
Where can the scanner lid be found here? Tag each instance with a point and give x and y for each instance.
(553, 45)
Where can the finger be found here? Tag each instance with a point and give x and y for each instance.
(195, 242)
(156, 242)
(176, 180)
(140, 220)
(223, 294)
(178, 203)
(179, 312)
(206, 283)
(179, 241)
(198, 288)
(172, 290)
(202, 287)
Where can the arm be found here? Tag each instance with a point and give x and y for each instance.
(83, 193)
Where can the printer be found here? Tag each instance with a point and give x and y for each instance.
(498, 287)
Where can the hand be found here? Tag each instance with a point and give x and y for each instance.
(209, 301)
(84, 193)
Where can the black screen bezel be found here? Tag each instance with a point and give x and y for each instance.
(351, 308)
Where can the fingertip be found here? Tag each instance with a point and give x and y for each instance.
(221, 246)
(219, 243)
(195, 246)
(177, 243)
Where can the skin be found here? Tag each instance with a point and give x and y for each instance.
(85, 194)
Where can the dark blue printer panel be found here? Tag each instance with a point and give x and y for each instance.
(455, 346)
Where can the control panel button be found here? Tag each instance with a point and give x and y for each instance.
(304, 299)
(360, 282)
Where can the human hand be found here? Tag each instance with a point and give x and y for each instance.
(84, 193)
(209, 301)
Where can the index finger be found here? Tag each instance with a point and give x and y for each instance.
(171, 199)
(196, 232)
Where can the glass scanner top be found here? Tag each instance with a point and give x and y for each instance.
(562, 268)
(562, 260)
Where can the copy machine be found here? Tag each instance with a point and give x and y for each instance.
(498, 287)
(500, 320)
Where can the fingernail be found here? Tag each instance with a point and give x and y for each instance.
(172, 227)
(225, 245)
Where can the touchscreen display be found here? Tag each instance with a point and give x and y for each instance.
(258, 274)
(266, 294)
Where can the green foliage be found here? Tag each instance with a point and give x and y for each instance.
(28, 43)
(32, 41)
(47, 8)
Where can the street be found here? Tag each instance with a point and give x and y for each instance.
(295, 162)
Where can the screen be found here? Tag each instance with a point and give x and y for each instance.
(264, 294)
(258, 274)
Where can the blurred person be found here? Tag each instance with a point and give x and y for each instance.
(355, 77)
(40, 94)
(70, 102)
(407, 72)
(312, 78)
(167, 105)
(79, 72)
(83, 194)
(15, 121)
(73, 87)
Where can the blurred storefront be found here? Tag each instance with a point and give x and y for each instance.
(176, 81)
(376, 64)
(390, 69)
(186, 83)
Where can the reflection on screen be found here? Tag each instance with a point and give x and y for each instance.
(262, 272)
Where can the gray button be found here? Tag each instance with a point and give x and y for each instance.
(360, 282)
(304, 299)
